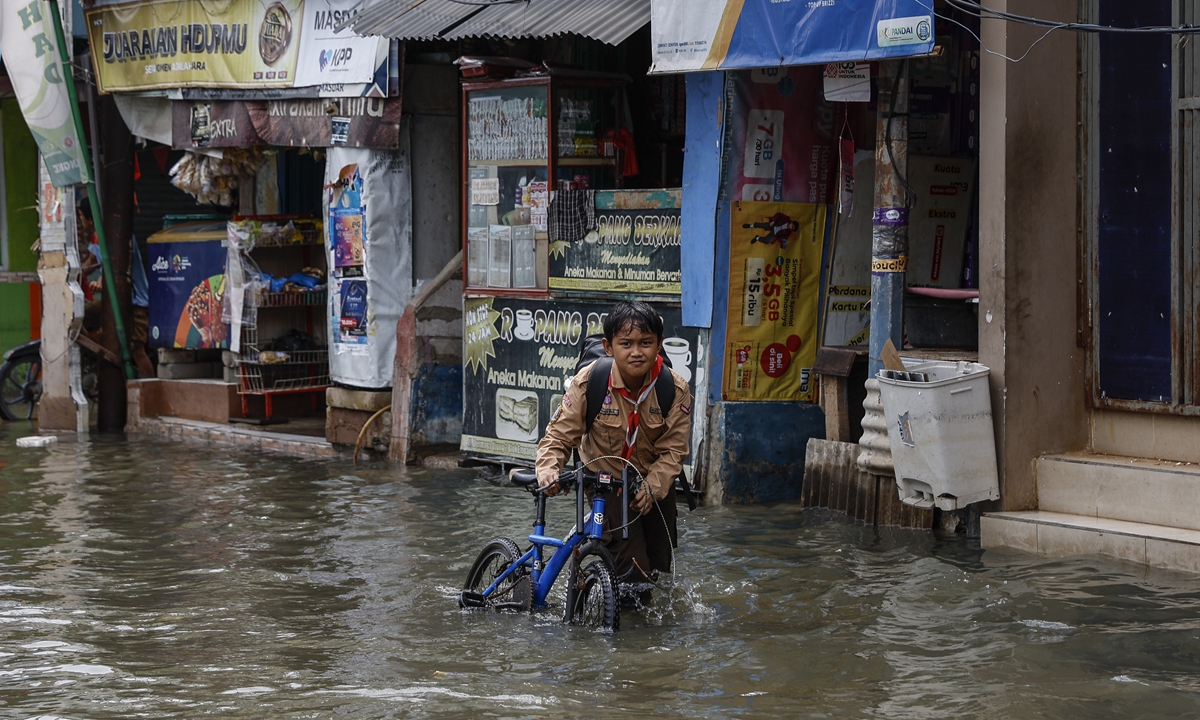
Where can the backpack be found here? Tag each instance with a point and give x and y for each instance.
(597, 389)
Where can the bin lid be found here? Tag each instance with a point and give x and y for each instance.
(196, 231)
(938, 372)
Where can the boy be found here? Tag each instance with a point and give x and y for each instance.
(632, 424)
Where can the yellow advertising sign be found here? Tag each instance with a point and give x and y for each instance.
(774, 288)
(180, 43)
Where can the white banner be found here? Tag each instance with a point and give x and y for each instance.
(32, 58)
(327, 57)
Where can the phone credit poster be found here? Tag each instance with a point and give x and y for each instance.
(774, 274)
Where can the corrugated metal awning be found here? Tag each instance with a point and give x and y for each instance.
(609, 21)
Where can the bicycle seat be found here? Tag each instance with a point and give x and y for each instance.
(523, 477)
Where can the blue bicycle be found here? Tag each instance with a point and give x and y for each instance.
(504, 578)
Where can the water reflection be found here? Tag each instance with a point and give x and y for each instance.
(173, 581)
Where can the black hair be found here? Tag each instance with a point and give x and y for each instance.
(632, 315)
(85, 208)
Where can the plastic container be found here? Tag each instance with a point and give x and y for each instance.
(941, 435)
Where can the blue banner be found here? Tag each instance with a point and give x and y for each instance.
(691, 35)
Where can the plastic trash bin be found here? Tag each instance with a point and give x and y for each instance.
(939, 417)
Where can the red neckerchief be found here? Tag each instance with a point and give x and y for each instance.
(631, 432)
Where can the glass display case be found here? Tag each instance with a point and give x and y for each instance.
(525, 139)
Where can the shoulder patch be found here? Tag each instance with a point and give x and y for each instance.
(567, 400)
(685, 409)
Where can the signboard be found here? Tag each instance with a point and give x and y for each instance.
(634, 249)
(519, 354)
(782, 137)
(690, 35)
(774, 289)
(353, 122)
(276, 44)
(187, 287)
(32, 59)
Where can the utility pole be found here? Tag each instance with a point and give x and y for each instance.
(116, 143)
(889, 236)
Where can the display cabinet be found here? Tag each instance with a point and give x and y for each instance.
(523, 140)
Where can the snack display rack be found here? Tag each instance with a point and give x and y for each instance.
(268, 373)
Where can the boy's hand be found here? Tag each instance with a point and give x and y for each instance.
(642, 501)
(549, 485)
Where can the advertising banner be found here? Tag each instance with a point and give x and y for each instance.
(187, 286)
(782, 138)
(634, 249)
(774, 288)
(276, 44)
(353, 122)
(519, 354)
(31, 57)
(690, 35)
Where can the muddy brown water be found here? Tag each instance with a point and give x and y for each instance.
(176, 581)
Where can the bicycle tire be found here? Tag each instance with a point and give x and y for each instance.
(20, 387)
(593, 601)
(494, 559)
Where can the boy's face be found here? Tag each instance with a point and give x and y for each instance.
(633, 350)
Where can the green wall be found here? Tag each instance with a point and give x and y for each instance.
(20, 198)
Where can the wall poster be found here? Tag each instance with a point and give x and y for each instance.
(774, 289)
(518, 356)
(633, 250)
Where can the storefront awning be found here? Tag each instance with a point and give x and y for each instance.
(609, 21)
(689, 35)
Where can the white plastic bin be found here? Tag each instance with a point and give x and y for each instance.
(941, 435)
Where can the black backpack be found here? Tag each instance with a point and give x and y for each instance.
(597, 389)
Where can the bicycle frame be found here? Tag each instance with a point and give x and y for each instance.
(542, 576)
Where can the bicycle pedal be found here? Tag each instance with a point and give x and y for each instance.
(472, 600)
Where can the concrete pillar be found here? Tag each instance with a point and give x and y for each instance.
(1028, 254)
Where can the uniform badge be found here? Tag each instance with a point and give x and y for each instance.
(608, 399)
(686, 410)
(655, 411)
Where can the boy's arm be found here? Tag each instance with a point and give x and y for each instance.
(565, 431)
(672, 446)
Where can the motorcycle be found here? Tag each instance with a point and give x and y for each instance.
(21, 379)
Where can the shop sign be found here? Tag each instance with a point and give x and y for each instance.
(519, 354)
(774, 289)
(634, 249)
(31, 57)
(689, 35)
(276, 44)
(354, 122)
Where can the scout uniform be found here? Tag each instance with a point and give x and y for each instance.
(658, 449)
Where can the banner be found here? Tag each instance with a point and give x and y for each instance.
(781, 141)
(774, 287)
(354, 122)
(276, 44)
(519, 354)
(633, 250)
(689, 35)
(187, 287)
(31, 56)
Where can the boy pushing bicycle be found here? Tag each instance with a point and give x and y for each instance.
(631, 424)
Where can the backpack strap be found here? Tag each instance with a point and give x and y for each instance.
(597, 388)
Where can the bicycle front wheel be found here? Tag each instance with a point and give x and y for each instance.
(20, 387)
(594, 600)
(511, 594)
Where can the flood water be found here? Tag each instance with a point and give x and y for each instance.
(175, 581)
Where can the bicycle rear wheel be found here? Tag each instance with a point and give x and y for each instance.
(494, 559)
(593, 602)
(20, 387)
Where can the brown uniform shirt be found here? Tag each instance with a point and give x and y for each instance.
(661, 445)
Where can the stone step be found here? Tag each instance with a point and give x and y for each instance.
(1055, 534)
(1138, 490)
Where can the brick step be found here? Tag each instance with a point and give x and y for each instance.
(1056, 534)
(1137, 490)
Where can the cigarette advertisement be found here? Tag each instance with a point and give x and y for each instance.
(774, 275)
(520, 353)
